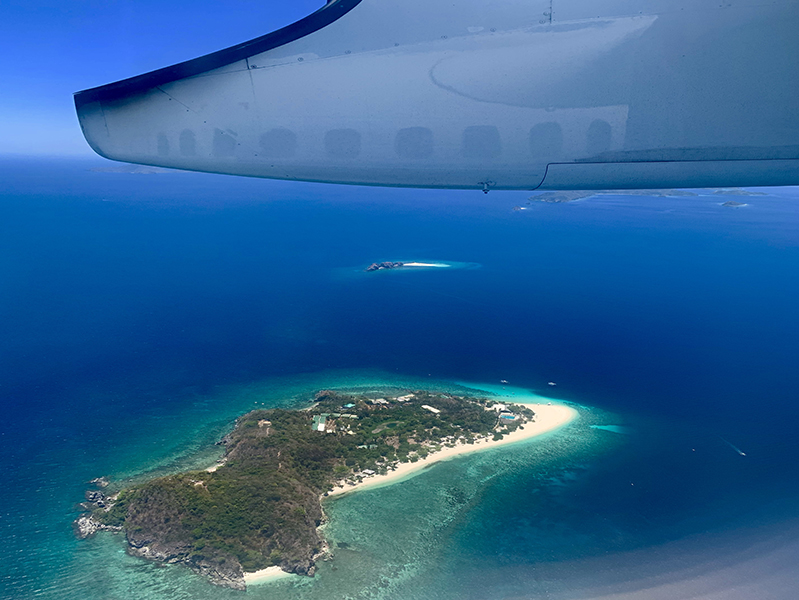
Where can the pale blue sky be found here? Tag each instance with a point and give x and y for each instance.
(52, 49)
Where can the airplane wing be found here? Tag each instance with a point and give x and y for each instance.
(481, 94)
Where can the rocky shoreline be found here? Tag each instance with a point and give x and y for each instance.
(225, 573)
(86, 526)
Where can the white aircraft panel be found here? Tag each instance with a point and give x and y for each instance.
(485, 94)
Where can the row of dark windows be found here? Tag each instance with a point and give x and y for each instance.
(478, 142)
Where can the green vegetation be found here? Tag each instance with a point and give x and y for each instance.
(262, 506)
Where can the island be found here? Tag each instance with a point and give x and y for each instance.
(259, 508)
(737, 192)
(384, 265)
(415, 264)
(560, 197)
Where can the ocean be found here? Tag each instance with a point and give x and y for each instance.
(140, 313)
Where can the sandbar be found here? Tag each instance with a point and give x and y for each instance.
(421, 264)
(548, 417)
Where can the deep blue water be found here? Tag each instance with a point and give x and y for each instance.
(139, 314)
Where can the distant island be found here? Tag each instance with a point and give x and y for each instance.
(737, 192)
(572, 196)
(259, 509)
(382, 266)
(557, 197)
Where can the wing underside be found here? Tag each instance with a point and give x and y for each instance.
(521, 94)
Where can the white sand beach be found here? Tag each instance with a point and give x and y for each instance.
(548, 417)
(266, 575)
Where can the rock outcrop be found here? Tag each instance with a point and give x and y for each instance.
(384, 265)
(85, 526)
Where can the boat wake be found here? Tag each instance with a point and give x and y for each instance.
(733, 446)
